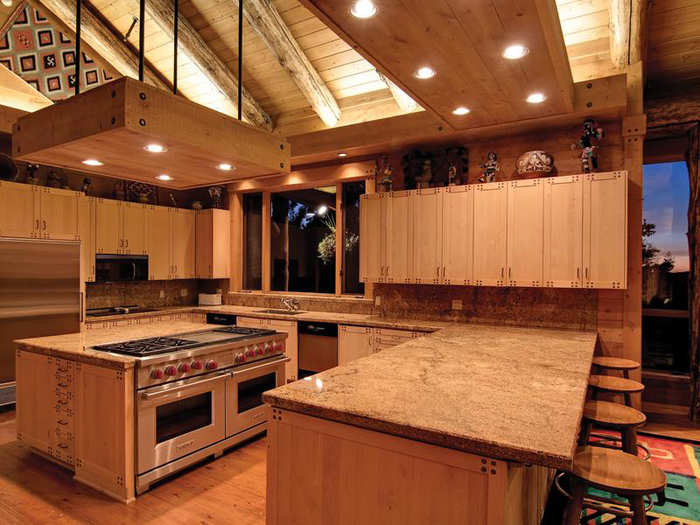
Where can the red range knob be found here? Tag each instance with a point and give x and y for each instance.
(184, 368)
(212, 365)
(250, 352)
(268, 348)
(259, 350)
(196, 365)
(157, 373)
(278, 346)
(170, 370)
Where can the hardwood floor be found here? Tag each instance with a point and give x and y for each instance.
(34, 490)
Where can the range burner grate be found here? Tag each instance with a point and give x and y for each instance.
(240, 330)
(148, 346)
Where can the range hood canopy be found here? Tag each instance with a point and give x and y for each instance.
(113, 123)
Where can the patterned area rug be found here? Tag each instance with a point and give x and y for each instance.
(681, 463)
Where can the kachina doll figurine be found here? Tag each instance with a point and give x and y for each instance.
(490, 167)
(386, 175)
(426, 174)
(592, 134)
(452, 174)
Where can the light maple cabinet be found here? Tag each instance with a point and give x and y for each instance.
(353, 342)
(372, 237)
(490, 233)
(291, 344)
(458, 235)
(35, 399)
(213, 244)
(86, 221)
(182, 243)
(170, 237)
(397, 232)
(427, 238)
(563, 232)
(605, 230)
(525, 238)
(158, 241)
(37, 212)
(120, 227)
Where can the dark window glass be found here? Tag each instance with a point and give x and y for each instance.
(183, 416)
(250, 392)
(302, 240)
(252, 241)
(351, 239)
(665, 265)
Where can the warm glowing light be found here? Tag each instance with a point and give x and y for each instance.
(425, 72)
(461, 111)
(536, 98)
(322, 209)
(224, 167)
(7, 3)
(92, 162)
(155, 148)
(515, 52)
(164, 177)
(363, 9)
(343, 154)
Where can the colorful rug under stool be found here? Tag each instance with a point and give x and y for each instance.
(681, 463)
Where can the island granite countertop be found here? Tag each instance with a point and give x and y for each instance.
(504, 392)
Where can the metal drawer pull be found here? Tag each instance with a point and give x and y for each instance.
(176, 389)
(63, 445)
(62, 422)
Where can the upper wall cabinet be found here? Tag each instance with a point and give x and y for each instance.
(566, 232)
(213, 244)
(38, 212)
(120, 227)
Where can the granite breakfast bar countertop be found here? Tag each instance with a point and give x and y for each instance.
(508, 393)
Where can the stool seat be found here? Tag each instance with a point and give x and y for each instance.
(613, 415)
(618, 472)
(615, 363)
(619, 385)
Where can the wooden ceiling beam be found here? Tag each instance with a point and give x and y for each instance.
(403, 100)
(628, 30)
(104, 46)
(193, 45)
(263, 17)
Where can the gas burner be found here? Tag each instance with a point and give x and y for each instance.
(148, 346)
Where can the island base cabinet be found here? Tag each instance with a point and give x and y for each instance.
(321, 472)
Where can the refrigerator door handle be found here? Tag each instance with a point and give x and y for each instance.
(82, 310)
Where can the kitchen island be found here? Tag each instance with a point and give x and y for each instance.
(461, 426)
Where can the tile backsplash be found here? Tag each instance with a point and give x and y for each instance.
(148, 294)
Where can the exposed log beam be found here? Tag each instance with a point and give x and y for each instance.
(263, 17)
(403, 100)
(674, 110)
(193, 45)
(104, 46)
(628, 29)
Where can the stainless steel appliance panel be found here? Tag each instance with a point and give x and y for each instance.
(318, 347)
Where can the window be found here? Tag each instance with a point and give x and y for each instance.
(351, 238)
(665, 265)
(252, 241)
(302, 240)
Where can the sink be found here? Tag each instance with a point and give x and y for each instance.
(281, 312)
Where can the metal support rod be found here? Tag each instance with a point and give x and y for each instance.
(240, 57)
(78, 9)
(175, 30)
(142, 33)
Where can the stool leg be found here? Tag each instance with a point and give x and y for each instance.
(572, 514)
(629, 441)
(628, 400)
(637, 506)
(594, 394)
(585, 434)
(626, 373)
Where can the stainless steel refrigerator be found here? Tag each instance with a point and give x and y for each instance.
(39, 296)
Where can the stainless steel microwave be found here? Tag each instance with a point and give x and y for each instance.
(110, 268)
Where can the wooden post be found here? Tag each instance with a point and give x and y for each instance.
(266, 270)
(693, 160)
(235, 200)
(339, 239)
(369, 189)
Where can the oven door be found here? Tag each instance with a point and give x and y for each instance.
(244, 392)
(179, 418)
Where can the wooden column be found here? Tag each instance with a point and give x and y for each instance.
(266, 223)
(693, 160)
(339, 239)
(235, 201)
(370, 187)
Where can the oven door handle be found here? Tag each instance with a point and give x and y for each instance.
(264, 365)
(175, 388)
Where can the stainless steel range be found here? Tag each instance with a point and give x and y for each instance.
(198, 393)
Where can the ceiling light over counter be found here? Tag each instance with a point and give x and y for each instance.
(342, 154)
(460, 111)
(155, 148)
(164, 177)
(425, 73)
(118, 123)
(363, 9)
(225, 166)
(515, 52)
(93, 162)
(536, 98)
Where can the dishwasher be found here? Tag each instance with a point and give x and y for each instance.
(318, 347)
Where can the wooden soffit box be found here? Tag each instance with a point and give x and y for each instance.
(113, 123)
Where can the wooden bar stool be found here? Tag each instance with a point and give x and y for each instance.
(615, 363)
(613, 416)
(613, 471)
(615, 385)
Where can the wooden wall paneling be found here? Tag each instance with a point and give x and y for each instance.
(398, 236)
(525, 232)
(426, 211)
(490, 234)
(458, 235)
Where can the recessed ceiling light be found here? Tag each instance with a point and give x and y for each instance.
(224, 166)
(363, 9)
(322, 209)
(536, 98)
(425, 72)
(164, 177)
(92, 162)
(461, 110)
(515, 52)
(155, 148)
(343, 154)
(7, 3)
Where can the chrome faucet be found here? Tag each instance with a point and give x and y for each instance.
(290, 303)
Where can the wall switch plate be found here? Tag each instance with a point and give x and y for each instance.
(162, 294)
(456, 304)
(183, 292)
(378, 300)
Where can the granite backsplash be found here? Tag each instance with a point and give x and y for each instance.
(313, 303)
(148, 294)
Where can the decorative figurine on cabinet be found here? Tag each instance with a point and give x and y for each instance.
(85, 188)
(426, 175)
(216, 195)
(385, 174)
(53, 180)
(120, 190)
(490, 167)
(592, 133)
(32, 177)
(452, 175)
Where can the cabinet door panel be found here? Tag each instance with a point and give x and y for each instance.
(59, 214)
(525, 232)
(158, 242)
(353, 342)
(251, 322)
(427, 225)
(108, 226)
(19, 210)
(490, 217)
(563, 231)
(292, 345)
(183, 244)
(213, 244)
(457, 235)
(134, 228)
(605, 230)
(86, 229)
(397, 228)
(35, 400)
(371, 233)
